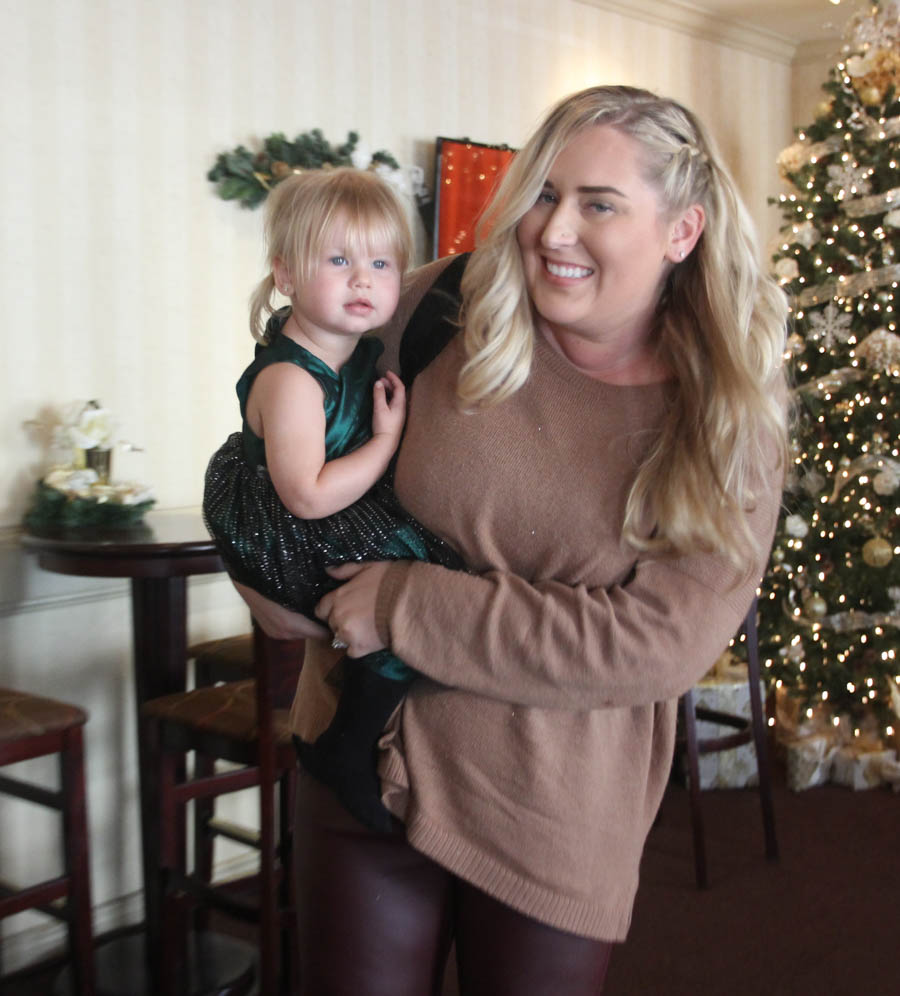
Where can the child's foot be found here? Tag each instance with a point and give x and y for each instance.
(344, 757)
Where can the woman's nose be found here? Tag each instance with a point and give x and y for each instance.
(560, 229)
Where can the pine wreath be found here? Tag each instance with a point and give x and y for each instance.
(247, 177)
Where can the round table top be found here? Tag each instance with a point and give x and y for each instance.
(164, 542)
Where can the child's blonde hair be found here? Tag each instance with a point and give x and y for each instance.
(301, 213)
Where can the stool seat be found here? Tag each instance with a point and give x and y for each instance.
(228, 710)
(23, 715)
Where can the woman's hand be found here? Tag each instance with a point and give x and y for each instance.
(350, 609)
(277, 621)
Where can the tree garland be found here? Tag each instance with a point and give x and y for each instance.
(247, 177)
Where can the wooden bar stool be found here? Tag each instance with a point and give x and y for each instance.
(745, 730)
(30, 727)
(246, 723)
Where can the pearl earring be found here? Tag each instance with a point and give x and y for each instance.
(681, 254)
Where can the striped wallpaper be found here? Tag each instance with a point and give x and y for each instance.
(124, 278)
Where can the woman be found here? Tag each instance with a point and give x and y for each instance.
(603, 443)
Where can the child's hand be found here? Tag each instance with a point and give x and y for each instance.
(389, 408)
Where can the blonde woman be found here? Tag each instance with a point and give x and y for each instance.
(603, 441)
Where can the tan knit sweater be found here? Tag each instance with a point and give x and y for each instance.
(532, 757)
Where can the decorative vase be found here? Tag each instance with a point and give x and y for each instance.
(99, 459)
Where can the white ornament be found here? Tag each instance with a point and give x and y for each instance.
(859, 65)
(887, 480)
(796, 525)
(880, 351)
(831, 326)
(361, 156)
(786, 269)
(807, 235)
(812, 482)
(892, 218)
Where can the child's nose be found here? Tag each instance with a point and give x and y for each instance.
(361, 276)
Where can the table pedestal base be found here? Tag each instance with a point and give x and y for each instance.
(220, 966)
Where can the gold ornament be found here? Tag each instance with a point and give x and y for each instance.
(870, 96)
(877, 552)
(815, 606)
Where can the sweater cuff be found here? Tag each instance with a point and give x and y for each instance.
(388, 593)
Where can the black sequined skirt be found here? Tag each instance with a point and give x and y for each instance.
(284, 558)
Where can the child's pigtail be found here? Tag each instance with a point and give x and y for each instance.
(261, 308)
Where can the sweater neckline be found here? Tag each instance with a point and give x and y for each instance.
(562, 368)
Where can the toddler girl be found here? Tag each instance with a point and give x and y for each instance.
(305, 484)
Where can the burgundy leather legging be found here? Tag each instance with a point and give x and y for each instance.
(376, 918)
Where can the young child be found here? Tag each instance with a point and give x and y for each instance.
(305, 484)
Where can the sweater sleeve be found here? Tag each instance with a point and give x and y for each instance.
(552, 645)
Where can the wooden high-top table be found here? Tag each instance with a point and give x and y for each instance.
(158, 555)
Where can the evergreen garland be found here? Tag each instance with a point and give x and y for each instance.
(247, 177)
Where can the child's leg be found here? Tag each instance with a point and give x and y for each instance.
(344, 756)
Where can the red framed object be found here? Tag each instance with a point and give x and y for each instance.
(466, 175)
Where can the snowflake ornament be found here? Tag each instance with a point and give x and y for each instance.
(845, 177)
(831, 326)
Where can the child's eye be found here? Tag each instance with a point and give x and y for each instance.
(338, 260)
(381, 264)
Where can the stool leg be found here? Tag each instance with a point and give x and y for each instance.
(759, 737)
(75, 835)
(693, 753)
(286, 891)
(204, 810)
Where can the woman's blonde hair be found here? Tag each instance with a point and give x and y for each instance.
(303, 209)
(720, 325)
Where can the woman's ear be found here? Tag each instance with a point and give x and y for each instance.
(685, 232)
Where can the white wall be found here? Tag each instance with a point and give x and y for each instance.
(124, 278)
(811, 65)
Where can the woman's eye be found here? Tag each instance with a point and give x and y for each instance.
(546, 197)
(599, 207)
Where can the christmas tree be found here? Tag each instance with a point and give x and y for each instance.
(830, 602)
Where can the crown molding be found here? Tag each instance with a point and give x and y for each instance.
(701, 23)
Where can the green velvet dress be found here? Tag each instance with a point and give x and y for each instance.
(270, 550)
